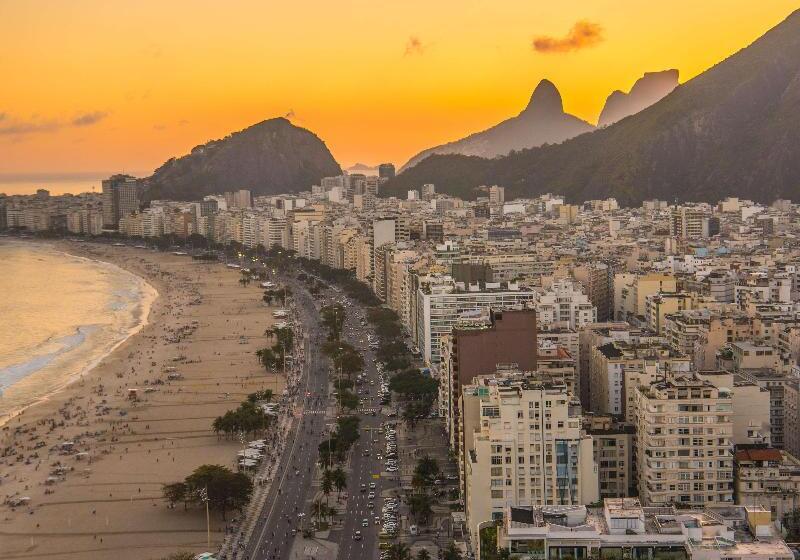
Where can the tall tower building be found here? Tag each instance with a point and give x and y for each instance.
(386, 171)
(122, 196)
(684, 452)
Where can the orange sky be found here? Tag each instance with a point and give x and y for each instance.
(98, 85)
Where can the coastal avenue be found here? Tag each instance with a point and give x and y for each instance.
(291, 494)
(271, 537)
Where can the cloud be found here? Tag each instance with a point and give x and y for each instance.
(16, 127)
(414, 46)
(583, 34)
(19, 128)
(159, 127)
(88, 119)
(290, 115)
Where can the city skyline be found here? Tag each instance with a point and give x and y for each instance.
(431, 74)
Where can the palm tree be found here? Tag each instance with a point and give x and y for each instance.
(319, 510)
(399, 551)
(423, 555)
(339, 481)
(327, 483)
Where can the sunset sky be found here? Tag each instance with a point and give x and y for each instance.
(106, 85)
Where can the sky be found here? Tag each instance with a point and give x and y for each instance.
(91, 87)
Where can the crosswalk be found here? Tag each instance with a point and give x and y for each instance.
(314, 412)
(368, 410)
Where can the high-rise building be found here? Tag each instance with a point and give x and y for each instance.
(497, 195)
(523, 446)
(598, 282)
(386, 171)
(565, 305)
(689, 222)
(476, 347)
(122, 196)
(613, 454)
(428, 191)
(684, 453)
(440, 305)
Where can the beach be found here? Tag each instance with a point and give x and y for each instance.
(103, 498)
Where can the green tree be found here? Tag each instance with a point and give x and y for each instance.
(348, 400)
(791, 524)
(224, 489)
(420, 506)
(327, 483)
(176, 492)
(399, 551)
(425, 472)
(339, 481)
(451, 553)
(423, 554)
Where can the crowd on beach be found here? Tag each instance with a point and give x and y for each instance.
(147, 407)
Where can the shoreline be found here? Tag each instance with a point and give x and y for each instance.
(141, 314)
(112, 502)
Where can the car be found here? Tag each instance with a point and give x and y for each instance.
(391, 469)
(372, 485)
(363, 488)
(371, 496)
(365, 522)
(357, 536)
(370, 505)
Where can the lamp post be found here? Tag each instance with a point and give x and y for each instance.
(204, 497)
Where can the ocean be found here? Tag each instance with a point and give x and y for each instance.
(59, 315)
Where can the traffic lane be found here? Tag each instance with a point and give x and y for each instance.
(292, 501)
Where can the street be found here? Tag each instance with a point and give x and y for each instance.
(290, 493)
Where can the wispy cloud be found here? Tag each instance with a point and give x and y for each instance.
(18, 127)
(88, 119)
(290, 115)
(414, 46)
(583, 34)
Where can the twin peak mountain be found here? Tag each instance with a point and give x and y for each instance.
(544, 121)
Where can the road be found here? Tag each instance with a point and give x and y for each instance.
(290, 494)
(271, 538)
(365, 469)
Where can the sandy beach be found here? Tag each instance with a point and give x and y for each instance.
(106, 500)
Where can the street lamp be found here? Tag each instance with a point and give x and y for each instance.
(204, 497)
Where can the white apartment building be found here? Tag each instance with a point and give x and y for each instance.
(523, 445)
(684, 451)
(441, 301)
(565, 305)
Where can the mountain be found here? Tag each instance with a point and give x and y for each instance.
(648, 89)
(542, 122)
(733, 130)
(270, 157)
(362, 168)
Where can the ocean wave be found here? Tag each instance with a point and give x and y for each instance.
(15, 372)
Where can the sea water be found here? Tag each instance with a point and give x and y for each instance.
(59, 315)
